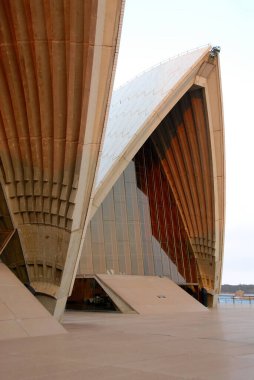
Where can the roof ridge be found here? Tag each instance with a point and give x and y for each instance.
(161, 63)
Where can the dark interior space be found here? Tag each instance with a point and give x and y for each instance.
(88, 295)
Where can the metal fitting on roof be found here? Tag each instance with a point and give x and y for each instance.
(214, 51)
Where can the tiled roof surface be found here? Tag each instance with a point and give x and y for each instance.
(133, 103)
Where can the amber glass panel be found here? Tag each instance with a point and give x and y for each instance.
(166, 223)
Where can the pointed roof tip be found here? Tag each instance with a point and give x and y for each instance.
(205, 48)
(215, 50)
(133, 104)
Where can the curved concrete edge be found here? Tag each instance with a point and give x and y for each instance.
(145, 130)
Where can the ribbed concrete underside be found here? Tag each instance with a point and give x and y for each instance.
(21, 315)
(56, 73)
(150, 294)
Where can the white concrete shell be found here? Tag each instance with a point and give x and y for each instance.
(137, 109)
(57, 67)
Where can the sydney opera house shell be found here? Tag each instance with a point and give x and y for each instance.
(125, 189)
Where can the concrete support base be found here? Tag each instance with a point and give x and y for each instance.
(21, 315)
(150, 294)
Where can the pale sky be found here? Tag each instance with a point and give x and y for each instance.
(155, 30)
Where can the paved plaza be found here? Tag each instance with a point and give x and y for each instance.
(217, 345)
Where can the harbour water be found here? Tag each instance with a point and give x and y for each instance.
(247, 299)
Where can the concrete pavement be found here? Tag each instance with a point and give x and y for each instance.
(214, 345)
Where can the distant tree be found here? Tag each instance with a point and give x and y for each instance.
(248, 289)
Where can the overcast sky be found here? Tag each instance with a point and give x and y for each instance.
(154, 30)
